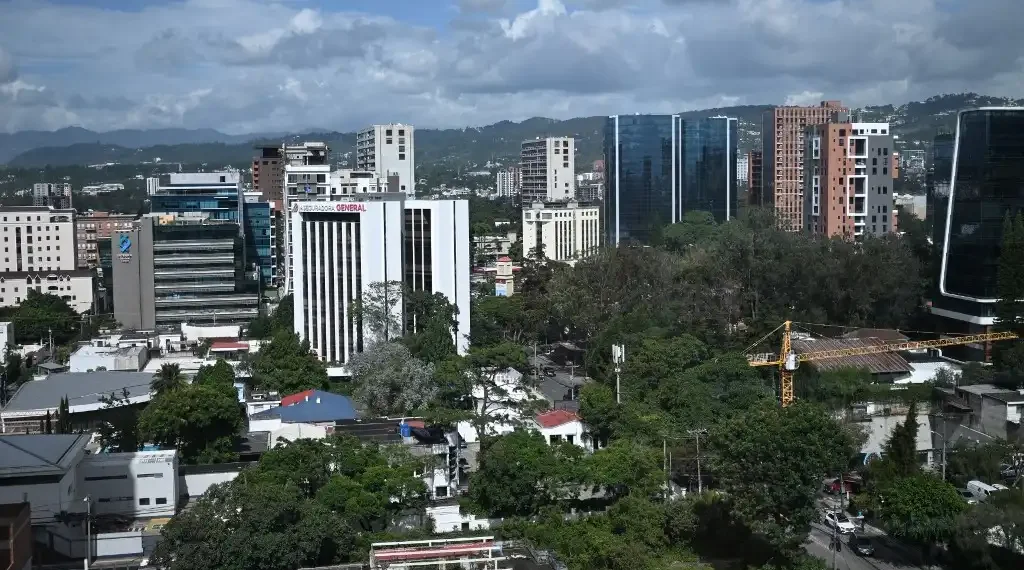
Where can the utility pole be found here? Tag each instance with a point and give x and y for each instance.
(50, 331)
(696, 433)
(88, 530)
(618, 357)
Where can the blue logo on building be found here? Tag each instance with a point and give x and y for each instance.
(126, 243)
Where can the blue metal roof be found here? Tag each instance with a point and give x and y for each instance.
(319, 407)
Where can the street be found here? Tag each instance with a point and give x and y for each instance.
(884, 558)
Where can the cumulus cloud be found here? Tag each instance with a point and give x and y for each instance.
(254, 65)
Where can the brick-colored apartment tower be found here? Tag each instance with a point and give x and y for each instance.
(782, 145)
(755, 178)
(268, 174)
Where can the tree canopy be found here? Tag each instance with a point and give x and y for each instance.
(202, 421)
(286, 365)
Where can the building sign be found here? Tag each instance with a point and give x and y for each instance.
(125, 248)
(331, 207)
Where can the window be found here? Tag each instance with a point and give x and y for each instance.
(161, 500)
(144, 501)
(401, 156)
(153, 475)
(106, 477)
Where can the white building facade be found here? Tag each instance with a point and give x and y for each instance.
(567, 231)
(508, 182)
(341, 247)
(142, 484)
(548, 168)
(390, 151)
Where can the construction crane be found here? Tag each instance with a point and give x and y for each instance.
(788, 361)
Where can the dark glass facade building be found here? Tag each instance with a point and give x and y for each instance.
(987, 184)
(643, 155)
(709, 167)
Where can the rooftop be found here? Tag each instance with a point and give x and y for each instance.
(39, 452)
(555, 418)
(994, 392)
(881, 363)
(319, 407)
(885, 335)
(81, 389)
(92, 350)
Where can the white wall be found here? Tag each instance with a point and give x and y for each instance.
(46, 499)
(880, 428)
(195, 484)
(448, 518)
(568, 233)
(142, 484)
(573, 428)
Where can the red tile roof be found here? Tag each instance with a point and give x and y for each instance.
(228, 345)
(555, 418)
(296, 398)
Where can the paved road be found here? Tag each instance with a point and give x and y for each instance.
(846, 559)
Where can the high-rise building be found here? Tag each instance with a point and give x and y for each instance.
(848, 179)
(307, 169)
(40, 254)
(548, 168)
(643, 176)
(985, 188)
(710, 149)
(56, 196)
(743, 168)
(219, 196)
(508, 182)
(342, 247)
(590, 187)
(93, 227)
(170, 270)
(755, 179)
(782, 142)
(565, 231)
(268, 173)
(390, 151)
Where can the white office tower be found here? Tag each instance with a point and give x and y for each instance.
(390, 151)
(508, 181)
(342, 247)
(548, 169)
(566, 231)
(307, 170)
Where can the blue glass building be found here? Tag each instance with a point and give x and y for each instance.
(658, 167)
(709, 167)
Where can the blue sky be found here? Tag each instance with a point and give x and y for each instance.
(272, 65)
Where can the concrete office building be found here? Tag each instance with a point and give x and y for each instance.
(40, 254)
(341, 247)
(783, 146)
(743, 168)
(306, 172)
(390, 151)
(548, 170)
(848, 179)
(56, 196)
(268, 173)
(508, 182)
(566, 231)
(169, 271)
(93, 228)
(984, 187)
(755, 180)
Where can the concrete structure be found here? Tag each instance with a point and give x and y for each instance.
(390, 151)
(268, 173)
(494, 246)
(782, 139)
(341, 248)
(565, 232)
(105, 188)
(95, 357)
(76, 287)
(504, 278)
(508, 182)
(743, 168)
(848, 179)
(42, 470)
(548, 169)
(6, 337)
(84, 391)
(142, 484)
(755, 180)
(16, 528)
(559, 426)
(152, 185)
(976, 183)
(590, 187)
(56, 196)
(348, 182)
(995, 411)
(915, 205)
(307, 170)
(317, 408)
(93, 228)
(170, 271)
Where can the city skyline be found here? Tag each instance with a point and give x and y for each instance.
(245, 66)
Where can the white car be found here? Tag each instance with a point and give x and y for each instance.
(840, 522)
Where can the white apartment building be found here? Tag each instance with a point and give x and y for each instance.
(548, 168)
(57, 196)
(508, 182)
(152, 185)
(567, 231)
(390, 151)
(40, 254)
(341, 247)
(307, 170)
(742, 167)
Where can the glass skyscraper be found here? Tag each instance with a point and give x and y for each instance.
(987, 184)
(709, 167)
(643, 173)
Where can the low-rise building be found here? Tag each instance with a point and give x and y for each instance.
(995, 411)
(317, 408)
(559, 426)
(142, 484)
(565, 232)
(95, 357)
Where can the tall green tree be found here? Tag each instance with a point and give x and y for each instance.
(432, 326)
(900, 457)
(202, 421)
(167, 379)
(41, 315)
(286, 365)
(119, 432)
(219, 372)
(518, 476)
(1009, 357)
(389, 381)
(921, 508)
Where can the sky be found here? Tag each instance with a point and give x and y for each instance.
(251, 66)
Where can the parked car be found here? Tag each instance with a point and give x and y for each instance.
(831, 486)
(840, 522)
(549, 372)
(862, 545)
(980, 489)
(968, 496)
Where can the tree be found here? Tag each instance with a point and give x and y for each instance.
(389, 381)
(41, 315)
(63, 421)
(220, 530)
(627, 468)
(283, 318)
(837, 389)
(920, 508)
(13, 367)
(656, 359)
(771, 460)
(202, 421)
(119, 432)
(219, 373)
(1009, 357)
(899, 454)
(48, 426)
(495, 319)
(379, 311)
(433, 324)
(518, 475)
(998, 520)
(286, 365)
(167, 379)
(599, 411)
(966, 462)
(695, 228)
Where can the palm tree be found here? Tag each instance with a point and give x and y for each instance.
(167, 378)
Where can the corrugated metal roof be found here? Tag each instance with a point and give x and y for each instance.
(886, 335)
(881, 363)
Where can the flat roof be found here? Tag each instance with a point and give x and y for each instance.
(994, 392)
(81, 388)
(23, 453)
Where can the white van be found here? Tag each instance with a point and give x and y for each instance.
(980, 490)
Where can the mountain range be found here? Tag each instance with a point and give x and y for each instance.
(916, 123)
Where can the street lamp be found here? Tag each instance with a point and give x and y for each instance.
(88, 530)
